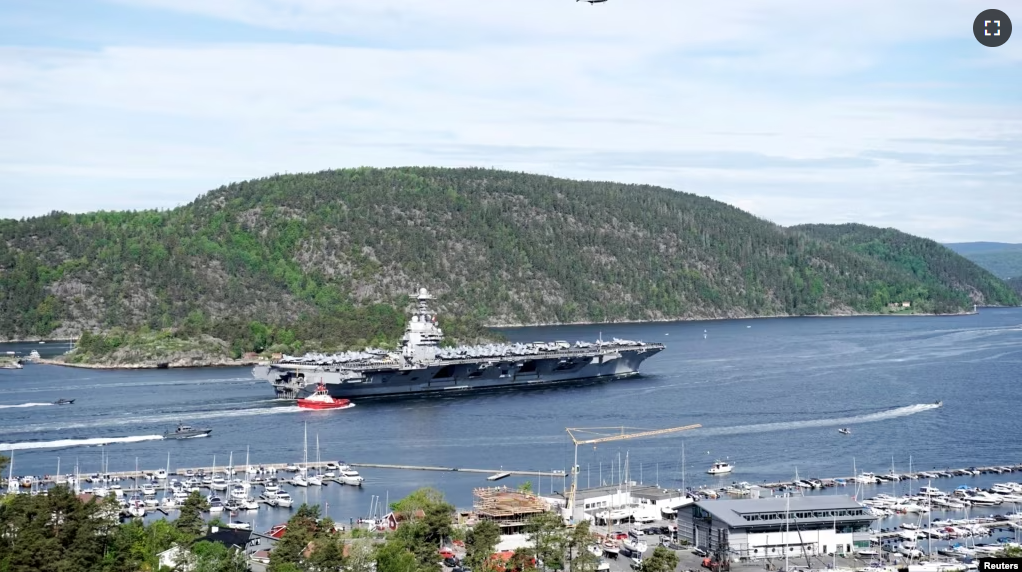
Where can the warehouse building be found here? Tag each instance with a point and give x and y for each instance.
(770, 527)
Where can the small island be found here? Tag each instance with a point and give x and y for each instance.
(10, 362)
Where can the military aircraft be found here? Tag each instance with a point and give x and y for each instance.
(591, 2)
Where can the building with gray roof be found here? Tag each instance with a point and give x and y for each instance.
(775, 526)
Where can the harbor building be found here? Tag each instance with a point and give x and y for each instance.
(770, 527)
(619, 503)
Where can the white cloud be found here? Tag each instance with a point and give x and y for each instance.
(642, 91)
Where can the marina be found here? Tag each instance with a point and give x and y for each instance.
(879, 378)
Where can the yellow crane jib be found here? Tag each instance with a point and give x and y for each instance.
(569, 511)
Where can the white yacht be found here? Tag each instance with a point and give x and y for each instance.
(299, 480)
(350, 477)
(218, 483)
(160, 475)
(148, 489)
(720, 468)
(983, 498)
(216, 505)
(238, 493)
(867, 478)
(283, 500)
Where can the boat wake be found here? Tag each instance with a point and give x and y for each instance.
(158, 419)
(813, 423)
(24, 405)
(62, 443)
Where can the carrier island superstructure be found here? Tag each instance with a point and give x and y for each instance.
(421, 366)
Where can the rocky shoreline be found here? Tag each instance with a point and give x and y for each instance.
(180, 363)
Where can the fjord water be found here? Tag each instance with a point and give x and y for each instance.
(770, 394)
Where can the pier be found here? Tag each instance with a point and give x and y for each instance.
(273, 468)
(931, 474)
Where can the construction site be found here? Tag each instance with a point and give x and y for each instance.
(510, 509)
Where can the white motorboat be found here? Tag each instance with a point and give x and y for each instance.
(299, 480)
(150, 500)
(239, 525)
(720, 468)
(271, 486)
(160, 475)
(250, 504)
(136, 507)
(350, 477)
(148, 489)
(983, 498)
(215, 505)
(283, 500)
(867, 478)
(218, 483)
(238, 493)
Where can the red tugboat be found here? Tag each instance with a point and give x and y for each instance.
(322, 400)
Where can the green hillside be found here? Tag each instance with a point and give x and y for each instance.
(1016, 284)
(1004, 263)
(946, 275)
(331, 257)
(1002, 259)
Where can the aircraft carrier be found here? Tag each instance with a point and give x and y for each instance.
(421, 366)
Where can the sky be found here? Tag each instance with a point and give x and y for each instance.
(798, 111)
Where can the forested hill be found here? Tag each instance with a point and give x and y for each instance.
(1001, 258)
(947, 275)
(333, 256)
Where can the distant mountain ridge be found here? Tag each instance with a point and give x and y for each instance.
(940, 269)
(1003, 259)
(330, 258)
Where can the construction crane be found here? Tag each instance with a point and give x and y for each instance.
(570, 508)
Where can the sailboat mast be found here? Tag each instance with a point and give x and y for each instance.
(683, 466)
(787, 526)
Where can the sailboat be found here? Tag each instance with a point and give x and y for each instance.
(168, 501)
(299, 479)
(136, 506)
(314, 479)
(12, 485)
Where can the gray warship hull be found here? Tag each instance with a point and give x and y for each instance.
(423, 366)
(293, 381)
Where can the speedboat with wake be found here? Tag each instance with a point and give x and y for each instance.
(845, 431)
(186, 432)
(63, 401)
(321, 400)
